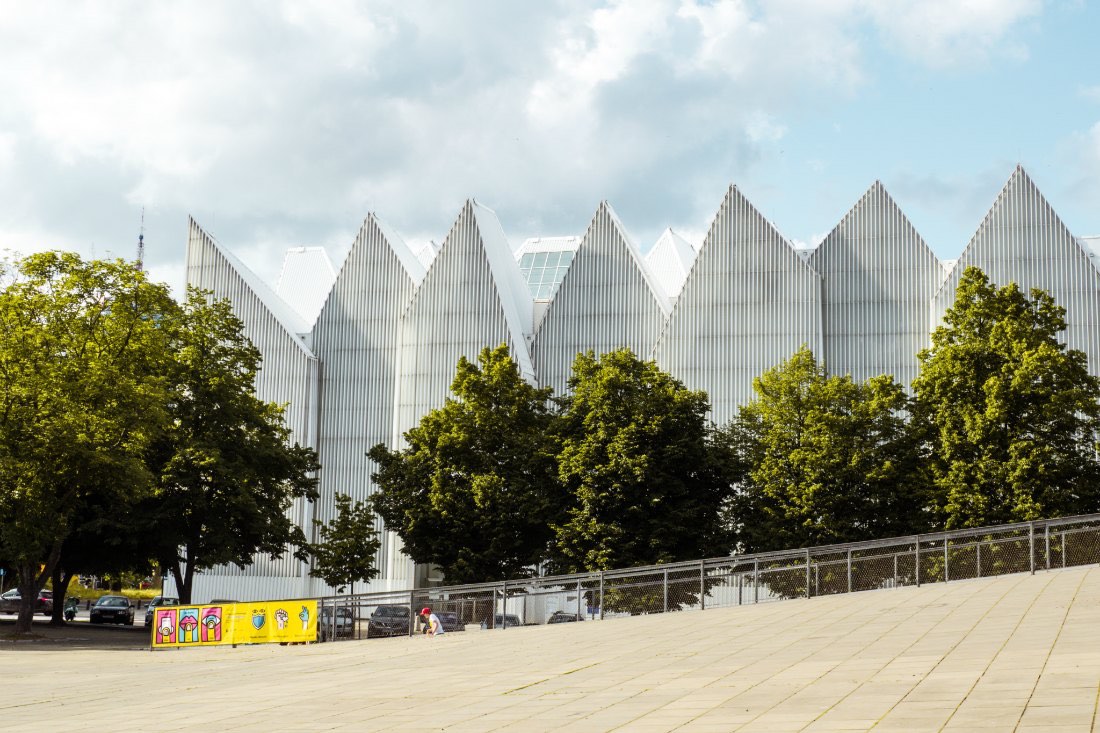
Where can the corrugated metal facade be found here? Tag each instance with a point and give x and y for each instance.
(1022, 240)
(356, 339)
(749, 302)
(606, 301)
(389, 334)
(288, 375)
(878, 277)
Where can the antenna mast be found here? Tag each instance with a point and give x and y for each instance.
(141, 242)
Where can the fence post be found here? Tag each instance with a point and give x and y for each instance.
(665, 587)
(740, 587)
(979, 560)
(412, 612)
(895, 570)
(1046, 543)
(702, 585)
(504, 603)
(946, 562)
(601, 595)
(756, 576)
(1031, 545)
(849, 570)
(807, 572)
(579, 616)
(916, 561)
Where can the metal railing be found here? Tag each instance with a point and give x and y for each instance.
(724, 581)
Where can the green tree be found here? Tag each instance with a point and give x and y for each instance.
(348, 546)
(82, 351)
(474, 491)
(225, 469)
(823, 459)
(1013, 416)
(636, 463)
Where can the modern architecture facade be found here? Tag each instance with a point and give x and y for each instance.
(360, 354)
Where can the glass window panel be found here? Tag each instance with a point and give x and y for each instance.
(526, 260)
(540, 259)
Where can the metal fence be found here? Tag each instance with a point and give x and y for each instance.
(725, 581)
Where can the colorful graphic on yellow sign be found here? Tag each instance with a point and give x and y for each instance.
(235, 623)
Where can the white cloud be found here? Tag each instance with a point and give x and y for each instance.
(283, 124)
(945, 33)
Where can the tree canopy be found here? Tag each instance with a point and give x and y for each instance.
(347, 547)
(823, 459)
(474, 492)
(636, 465)
(226, 471)
(82, 393)
(1012, 415)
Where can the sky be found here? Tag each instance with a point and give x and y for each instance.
(282, 124)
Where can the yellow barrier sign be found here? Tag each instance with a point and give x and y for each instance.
(235, 623)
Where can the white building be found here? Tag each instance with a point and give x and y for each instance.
(360, 355)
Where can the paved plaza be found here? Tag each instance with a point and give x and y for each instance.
(1018, 652)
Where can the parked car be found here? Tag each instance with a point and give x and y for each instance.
(344, 626)
(151, 609)
(10, 602)
(388, 621)
(450, 622)
(563, 617)
(502, 620)
(113, 610)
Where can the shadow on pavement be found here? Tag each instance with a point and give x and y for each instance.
(74, 635)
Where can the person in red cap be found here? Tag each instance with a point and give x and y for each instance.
(435, 628)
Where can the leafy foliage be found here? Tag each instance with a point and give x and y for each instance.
(226, 472)
(474, 491)
(636, 463)
(348, 545)
(1012, 415)
(822, 459)
(82, 352)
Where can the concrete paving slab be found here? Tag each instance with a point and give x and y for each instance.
(1015, 652)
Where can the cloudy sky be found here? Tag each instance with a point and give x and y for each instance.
(283, 124)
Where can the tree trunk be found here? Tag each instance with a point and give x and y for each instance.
(31, 581)
(60, 590)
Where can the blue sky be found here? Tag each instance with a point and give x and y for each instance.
(283, 124)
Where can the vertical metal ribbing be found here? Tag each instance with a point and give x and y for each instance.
(878, 278)
(1023, 240)
(748, 303)
(606, 302)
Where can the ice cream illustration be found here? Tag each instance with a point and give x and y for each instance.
(189, 626)
(281, 617)
(304, 616)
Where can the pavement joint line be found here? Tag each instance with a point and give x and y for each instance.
(799, 661)
(1050, 649)
(959, 640)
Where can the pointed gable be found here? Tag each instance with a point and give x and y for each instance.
(878, 276)
(472, 296)
(288, 372)
(305, 280)
(749, 302)
(1023, 240)
(356, 338)
(606, 301)
(670, 262)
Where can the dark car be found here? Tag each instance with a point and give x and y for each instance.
(450, 621)
(151, 609)
(502, 620)
(112, 610)
(10, 602)
(563, 617)
(388, 621)
(344, 625)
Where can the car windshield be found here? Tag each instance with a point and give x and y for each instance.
(395, 611)
(113, 601)
(46, 594)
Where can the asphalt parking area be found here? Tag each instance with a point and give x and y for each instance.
(77, 634)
